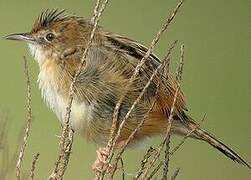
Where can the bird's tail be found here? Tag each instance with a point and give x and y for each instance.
(205, 136)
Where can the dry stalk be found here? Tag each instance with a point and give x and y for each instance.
(140, 64)
(28, 123)
(178, 78)
(33, 166)
(132, 135)
(115, 131)
(175, 174)
(167, 56)
(140, 124)
(160, 148)
(166, 160)
(170, 118)
(95, 11)
(8, 162)
(181, 64)
(66, 140)
(122, 168)
(156, 169)
(145, 160)
(150, 150)
(185, 137)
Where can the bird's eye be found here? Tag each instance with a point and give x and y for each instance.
(49, 37)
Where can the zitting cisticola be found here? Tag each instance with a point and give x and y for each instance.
(57, 42)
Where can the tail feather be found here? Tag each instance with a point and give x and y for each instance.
(205, 136)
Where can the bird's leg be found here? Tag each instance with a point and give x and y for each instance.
(100, 162)
(102, 155)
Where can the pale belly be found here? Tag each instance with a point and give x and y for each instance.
(49, 85)
(80, 111)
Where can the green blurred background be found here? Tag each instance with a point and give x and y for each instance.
(217, 80)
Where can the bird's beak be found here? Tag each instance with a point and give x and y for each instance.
(26, 37)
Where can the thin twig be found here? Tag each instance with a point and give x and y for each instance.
(66, 140)
(33, 166)
(28, 123)
(140, 124)
(166, 161)
(156, 169)
(13, 159)
(145, 160)
(175, 174)
(167, 56)
(170, 118)
(181, 64)
(161, 146)
(115, 131)
(187, 135)
(140, 64)
(164, 72)
(132, 135)
(167, 154)
(163, 142)
(122, 168)
(95, 11)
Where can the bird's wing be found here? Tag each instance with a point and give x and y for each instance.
(137, 51)
(130, 47)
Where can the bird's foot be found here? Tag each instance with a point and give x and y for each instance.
(100, 163)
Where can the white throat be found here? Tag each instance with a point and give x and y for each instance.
(38, 53)
(81, 112)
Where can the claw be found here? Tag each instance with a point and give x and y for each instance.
(100, 162)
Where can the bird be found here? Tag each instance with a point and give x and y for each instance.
(57, 41)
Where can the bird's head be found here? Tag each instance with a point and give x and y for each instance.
(55, 35)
